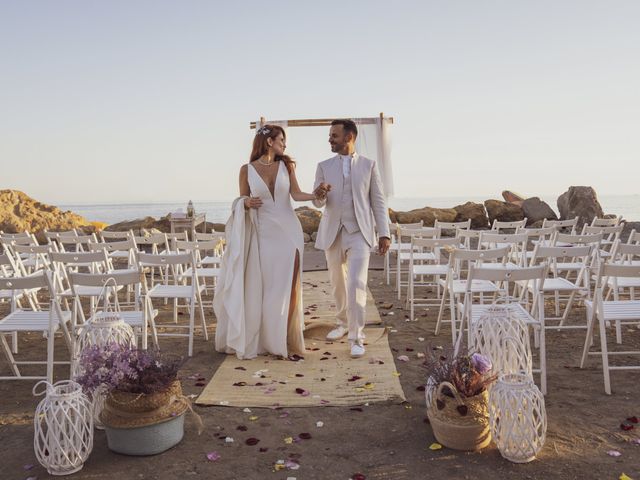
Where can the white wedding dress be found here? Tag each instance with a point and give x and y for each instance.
(262, 325)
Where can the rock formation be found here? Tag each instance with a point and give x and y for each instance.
(473, 211)
(581, 202)
(20, 212)
(428, 215)
(503, 211)
(535, 210)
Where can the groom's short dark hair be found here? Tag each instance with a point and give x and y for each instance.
(347, 126)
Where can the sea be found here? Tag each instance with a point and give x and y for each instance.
(218, 212)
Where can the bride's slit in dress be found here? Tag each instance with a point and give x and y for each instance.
(292, 328)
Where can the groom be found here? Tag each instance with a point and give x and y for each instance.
(349, 186)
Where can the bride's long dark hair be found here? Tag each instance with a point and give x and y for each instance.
(261, 147)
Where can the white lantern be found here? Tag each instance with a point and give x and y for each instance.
(517, 417)
(503, 337)
(63, 423)
(103, 328)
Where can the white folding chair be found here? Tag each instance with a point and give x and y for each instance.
(77, 243)
(564, 288)
(404, 236)
(106, 236)
(455, 283)
(517, 243)
(623, 312)
(45, 323)
(31, 258)
(563, 226)
(606, 222)
(472, 310)
(609, 236)
(498, 226)
(394, 247)
(191, 293)
(450, 229)
(434, 269)
(121, 252)
(139, 314)
(201, 250)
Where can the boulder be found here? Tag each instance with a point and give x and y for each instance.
(581, 202)
(20, 212)
(393, 217)
(307, 237)
(536, 210)
(512, 197)
(314, 235)
(473, 211)
(309, 219)
(428, 215)
(503, 211)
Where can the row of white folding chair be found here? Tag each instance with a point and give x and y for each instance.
(607, 312)
(70, 241)
(609, 236)
(473, 307)
(622, 254)
(44, 322)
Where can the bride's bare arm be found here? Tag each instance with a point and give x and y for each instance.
(297, 194)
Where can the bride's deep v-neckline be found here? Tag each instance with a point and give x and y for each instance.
(275, 182)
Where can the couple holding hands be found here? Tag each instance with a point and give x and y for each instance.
(258, 299)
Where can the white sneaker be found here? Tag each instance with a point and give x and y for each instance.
(357, 350)
(337, 333)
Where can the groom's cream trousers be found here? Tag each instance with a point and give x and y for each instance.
(348, 263)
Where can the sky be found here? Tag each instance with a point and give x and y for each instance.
(150, 101)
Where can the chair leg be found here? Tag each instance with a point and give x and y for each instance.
(9, 355)
(588, 340)
(441, 311)
(204, 322)
(192, 315)
(50, 346)
(605, 356)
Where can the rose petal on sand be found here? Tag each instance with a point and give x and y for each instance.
(614, 453)
(283, 415)
(636, 441)
(252, 441)
(403, 358)
(224, 402)
(421, 339)
(242, 428)
(263, 449)
(213, 456)
(28, 466)
(240, 368)
(633, 419)
(247, 410)
(624, 476)
(358, 476)
(319, 424)
(626, 426)
(435, 446)
(228, 439)
(305, 436)
(354, 378)
(288, 440)
(253, 418)
(200, 384)
(291, 465)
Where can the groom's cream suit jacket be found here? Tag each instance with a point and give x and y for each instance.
(368, 200)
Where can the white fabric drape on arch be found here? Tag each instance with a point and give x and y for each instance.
(374, 142)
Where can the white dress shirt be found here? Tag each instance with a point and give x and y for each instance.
(346, 164)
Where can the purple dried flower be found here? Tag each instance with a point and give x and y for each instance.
(481, 363)
(117, 367)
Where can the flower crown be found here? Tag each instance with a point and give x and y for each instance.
(263, 131)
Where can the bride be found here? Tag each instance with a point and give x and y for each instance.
(258, 300)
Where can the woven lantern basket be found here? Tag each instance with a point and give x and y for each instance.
(63, 427)
(517, 417)
(503, 337)
(460, 423)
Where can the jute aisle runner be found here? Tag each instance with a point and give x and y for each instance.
(327, 376)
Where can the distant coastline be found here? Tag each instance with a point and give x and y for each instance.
(218, 212)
